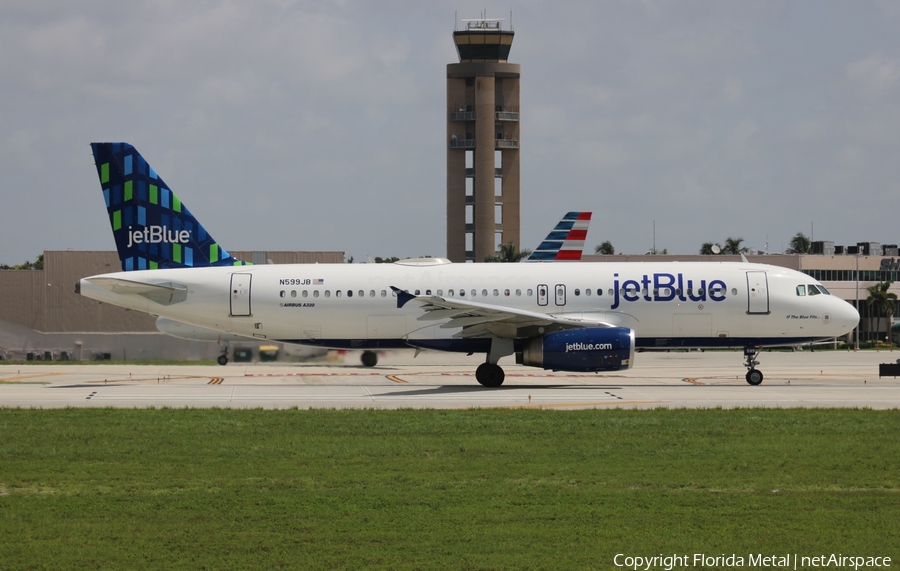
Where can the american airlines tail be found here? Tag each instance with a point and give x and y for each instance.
(566, 241)
(152, 227)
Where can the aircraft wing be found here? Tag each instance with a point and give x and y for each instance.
(481, 319)
(163, 294)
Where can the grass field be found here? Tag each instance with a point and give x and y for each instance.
(484, 489)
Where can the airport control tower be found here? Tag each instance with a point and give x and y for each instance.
(482, 142)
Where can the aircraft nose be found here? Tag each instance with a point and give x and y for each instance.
(846, 316)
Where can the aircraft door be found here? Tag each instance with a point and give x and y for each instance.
(240, 295)
(757, 292)
(543, 293)
(560, 294)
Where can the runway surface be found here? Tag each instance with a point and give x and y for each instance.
(447, 381)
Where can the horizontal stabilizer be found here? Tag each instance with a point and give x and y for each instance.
(164, 294)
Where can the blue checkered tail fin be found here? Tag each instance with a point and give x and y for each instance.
(152, 227)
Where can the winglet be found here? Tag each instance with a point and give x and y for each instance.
(402, 296)
(565, 241)
(152, 227)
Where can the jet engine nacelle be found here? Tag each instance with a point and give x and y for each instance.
(581, 350)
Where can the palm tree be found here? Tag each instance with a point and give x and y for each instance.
(733, 246)
(881, 302)
(799, 244)
(605, 248)
(508, 253)
(707, 248)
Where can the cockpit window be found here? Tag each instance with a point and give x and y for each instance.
(816, 289)
(801, 290)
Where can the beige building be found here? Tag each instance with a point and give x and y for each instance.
(483, 143)
(41, 313)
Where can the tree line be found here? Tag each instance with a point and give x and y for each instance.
(800, 244)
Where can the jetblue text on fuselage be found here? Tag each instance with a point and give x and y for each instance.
(666, 287)
(157, 234)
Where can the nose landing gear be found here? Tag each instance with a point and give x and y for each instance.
(223, 357)
(754, 375)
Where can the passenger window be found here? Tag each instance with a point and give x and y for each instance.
(600, 292)
(475, 293)
(427, 292)
(577, 292)
(383, 293)
(315, 293)
(519, 293)
(305, 293)
(611, 291)
(496, 293)
(371, 293)
(363, 294)
(349, 293)
(336, 293)
(281, 293)
(529, 292)
(293, 293)
(417, 292)
(506, 292)
(483, 293)
(450, 293)
(327, 293)
(734, 291)
(440, 292)
(587, 291)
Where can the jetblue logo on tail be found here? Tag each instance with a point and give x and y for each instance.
(157, 234)
(151, 226)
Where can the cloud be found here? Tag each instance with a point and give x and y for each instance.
(876, 76)
(733, 89)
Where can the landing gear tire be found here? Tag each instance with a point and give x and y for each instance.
(490, 375)
(222, 360)
(754, 377)
(369, 358)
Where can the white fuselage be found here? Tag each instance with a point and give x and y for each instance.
(667, 304)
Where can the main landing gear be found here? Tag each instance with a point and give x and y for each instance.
(754, 375)
(369, 358)
(489, 373)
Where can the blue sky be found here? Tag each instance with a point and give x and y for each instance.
(321, 125)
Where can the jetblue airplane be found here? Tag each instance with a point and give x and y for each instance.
(587, 317)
